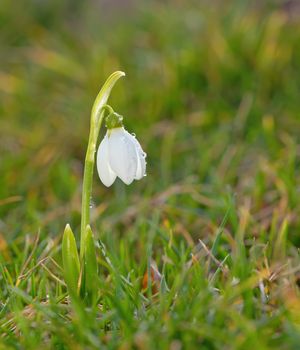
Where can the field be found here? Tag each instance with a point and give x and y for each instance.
(202, 253)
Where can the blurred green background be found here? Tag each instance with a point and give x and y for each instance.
(212, 92)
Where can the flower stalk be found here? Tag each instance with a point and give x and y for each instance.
(97, 116)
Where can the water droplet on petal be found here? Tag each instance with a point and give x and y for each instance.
(133, 134)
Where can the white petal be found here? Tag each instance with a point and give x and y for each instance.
(106, 174)
(141, 156)
(122, 154)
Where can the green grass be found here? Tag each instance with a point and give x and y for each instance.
(212, 93)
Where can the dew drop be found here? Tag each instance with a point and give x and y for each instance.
(133, 134)
(91, 204)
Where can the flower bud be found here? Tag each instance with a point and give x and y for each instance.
(114, 120)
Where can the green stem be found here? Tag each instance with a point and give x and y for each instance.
(108, 108)
(96, 121)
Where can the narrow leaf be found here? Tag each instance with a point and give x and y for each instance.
(70, 260)
(91, 281)
(281, 241)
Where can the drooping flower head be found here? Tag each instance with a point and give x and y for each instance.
(119, 154)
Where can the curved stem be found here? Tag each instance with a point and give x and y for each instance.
(108, 108)
(96, 121)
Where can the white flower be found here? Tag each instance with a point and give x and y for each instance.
(120, 154)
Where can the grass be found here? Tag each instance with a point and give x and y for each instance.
(203, 253)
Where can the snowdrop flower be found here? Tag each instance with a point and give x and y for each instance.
(119, 154)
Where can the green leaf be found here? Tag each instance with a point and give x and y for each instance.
(90, 272)
(70, 261)
(281, 241)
